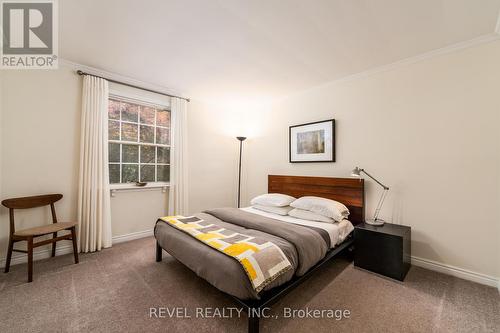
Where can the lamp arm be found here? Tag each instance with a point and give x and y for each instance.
(366, 173)
(380, 203)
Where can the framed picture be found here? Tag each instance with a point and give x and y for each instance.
(312, 142)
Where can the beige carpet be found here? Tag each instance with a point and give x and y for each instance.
(112, 291)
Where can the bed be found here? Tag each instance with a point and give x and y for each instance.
(308, 245)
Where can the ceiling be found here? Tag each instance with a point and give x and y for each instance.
(260, 48)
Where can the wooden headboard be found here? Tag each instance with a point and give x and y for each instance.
(349, 191)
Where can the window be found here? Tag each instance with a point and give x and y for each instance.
(139, 142)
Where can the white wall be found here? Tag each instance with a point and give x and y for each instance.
(40, 133)
(40, 136)
(137, 211)
(214, 150)
(430, 130)
(213, 158)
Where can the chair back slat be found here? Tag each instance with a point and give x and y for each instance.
(12, 225)
(53, 212)
(31, 202)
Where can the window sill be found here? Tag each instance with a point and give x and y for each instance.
(114, 188)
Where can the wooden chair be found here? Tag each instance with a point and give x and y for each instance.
(31, 233)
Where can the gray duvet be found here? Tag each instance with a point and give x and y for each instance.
(304, 247)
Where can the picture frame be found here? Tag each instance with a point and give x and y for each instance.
(312, 142)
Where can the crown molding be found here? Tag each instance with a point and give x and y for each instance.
(117, 77)
(484, 39)
(384, 68)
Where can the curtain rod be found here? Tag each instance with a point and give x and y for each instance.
(79, 72)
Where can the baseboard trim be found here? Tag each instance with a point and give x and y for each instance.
(132, 236)
(37, 255)
(417, 261)
(456, 271)
(63, 249)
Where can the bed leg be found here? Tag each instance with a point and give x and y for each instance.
(253, 324)
(158, 252)
(350, 253)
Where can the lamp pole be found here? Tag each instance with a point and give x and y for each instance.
(240, 139)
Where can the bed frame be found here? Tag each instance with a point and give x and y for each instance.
(349, 191)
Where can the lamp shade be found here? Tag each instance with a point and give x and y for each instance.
(356, 172)
(241, 138)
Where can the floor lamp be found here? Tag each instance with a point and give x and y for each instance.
(240, 139)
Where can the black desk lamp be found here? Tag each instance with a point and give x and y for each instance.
(375, 221)
(241, 139)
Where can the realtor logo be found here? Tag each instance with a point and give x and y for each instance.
(29, 30)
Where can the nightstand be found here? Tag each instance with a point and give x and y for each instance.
(385, 249)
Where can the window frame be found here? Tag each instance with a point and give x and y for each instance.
(148, 102)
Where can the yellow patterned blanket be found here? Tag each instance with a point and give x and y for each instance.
(263, 261)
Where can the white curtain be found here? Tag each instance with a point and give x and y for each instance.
(94, 212)
(178, 196)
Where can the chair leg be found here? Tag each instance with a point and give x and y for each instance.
(30, 259)
(54, 235)
(9, 255)
(75, 247)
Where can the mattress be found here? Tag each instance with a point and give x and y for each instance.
(337, 231)
(304, 246)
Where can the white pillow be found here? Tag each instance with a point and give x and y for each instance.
(276, 210)
(272, 199)
(307, 215)
(322, 206)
